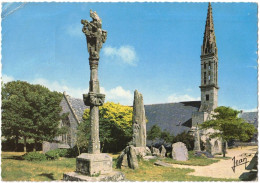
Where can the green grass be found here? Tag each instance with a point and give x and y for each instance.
(15, 169)
(147, 171)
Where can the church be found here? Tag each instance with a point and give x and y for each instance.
(173, 117)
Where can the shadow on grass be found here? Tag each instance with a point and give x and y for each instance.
(48, 175)
(14, 157)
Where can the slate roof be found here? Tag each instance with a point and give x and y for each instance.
(250, 117)
(77, 105)
(171, 116)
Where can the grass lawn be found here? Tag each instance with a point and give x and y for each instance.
(195, 160)
(15, 169)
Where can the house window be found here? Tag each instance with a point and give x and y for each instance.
(207, 97)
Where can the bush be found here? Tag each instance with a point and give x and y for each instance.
(34, 156)
(62, 152)
(56, 153)
(52, 155)
(72, 152)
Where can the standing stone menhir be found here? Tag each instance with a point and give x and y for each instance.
(139, 121)
(94, 163)
(128, 157)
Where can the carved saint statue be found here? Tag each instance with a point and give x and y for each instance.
(94, 34)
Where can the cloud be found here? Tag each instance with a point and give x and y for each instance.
(250, 110)
(7, 79)
(182, 98)
(56, 86)
(119, 95)
(254, 67)
(124, 54)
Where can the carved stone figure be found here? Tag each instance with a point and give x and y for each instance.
(94, 34)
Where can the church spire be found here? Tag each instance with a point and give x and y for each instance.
(209, 41)
(209, 67)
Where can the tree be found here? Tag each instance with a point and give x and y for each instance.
(228, 126)
(30, 111)
(115, 127)
(185, 138)
(166, 136)
(154, 133)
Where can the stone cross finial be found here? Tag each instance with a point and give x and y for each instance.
(94, 34)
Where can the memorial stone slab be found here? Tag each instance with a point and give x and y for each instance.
(179, 152)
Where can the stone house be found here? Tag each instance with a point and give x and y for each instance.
(75, 109)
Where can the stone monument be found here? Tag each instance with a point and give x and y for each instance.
(94, 163)
(179, 152)
(139, 121)
(197, 140)
(128, 157)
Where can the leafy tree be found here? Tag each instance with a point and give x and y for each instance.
(228, 126)
(166, 136)
(15, 111)
(154, 133)
(186, 138)
(30, 111)
(115, 127)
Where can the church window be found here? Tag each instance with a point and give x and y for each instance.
(207, 97)
(209, 66)
(205, 77)
(204, 65)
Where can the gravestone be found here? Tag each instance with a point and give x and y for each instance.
(133, 162)
(197, 140)
(139, 121)
(179, 152)
(155, 151)
(94, 163)
(128, 158)
(162, 151)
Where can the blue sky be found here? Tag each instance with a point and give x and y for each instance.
(152, 47)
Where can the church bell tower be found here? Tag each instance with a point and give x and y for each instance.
(209, 67)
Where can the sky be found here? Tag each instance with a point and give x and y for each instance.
(152, 47)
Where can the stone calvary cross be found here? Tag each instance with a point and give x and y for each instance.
(94, 166)
(95, 38)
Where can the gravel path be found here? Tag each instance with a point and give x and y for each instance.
(222, 169)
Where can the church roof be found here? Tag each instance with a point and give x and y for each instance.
(250, 117)
(171, 116)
